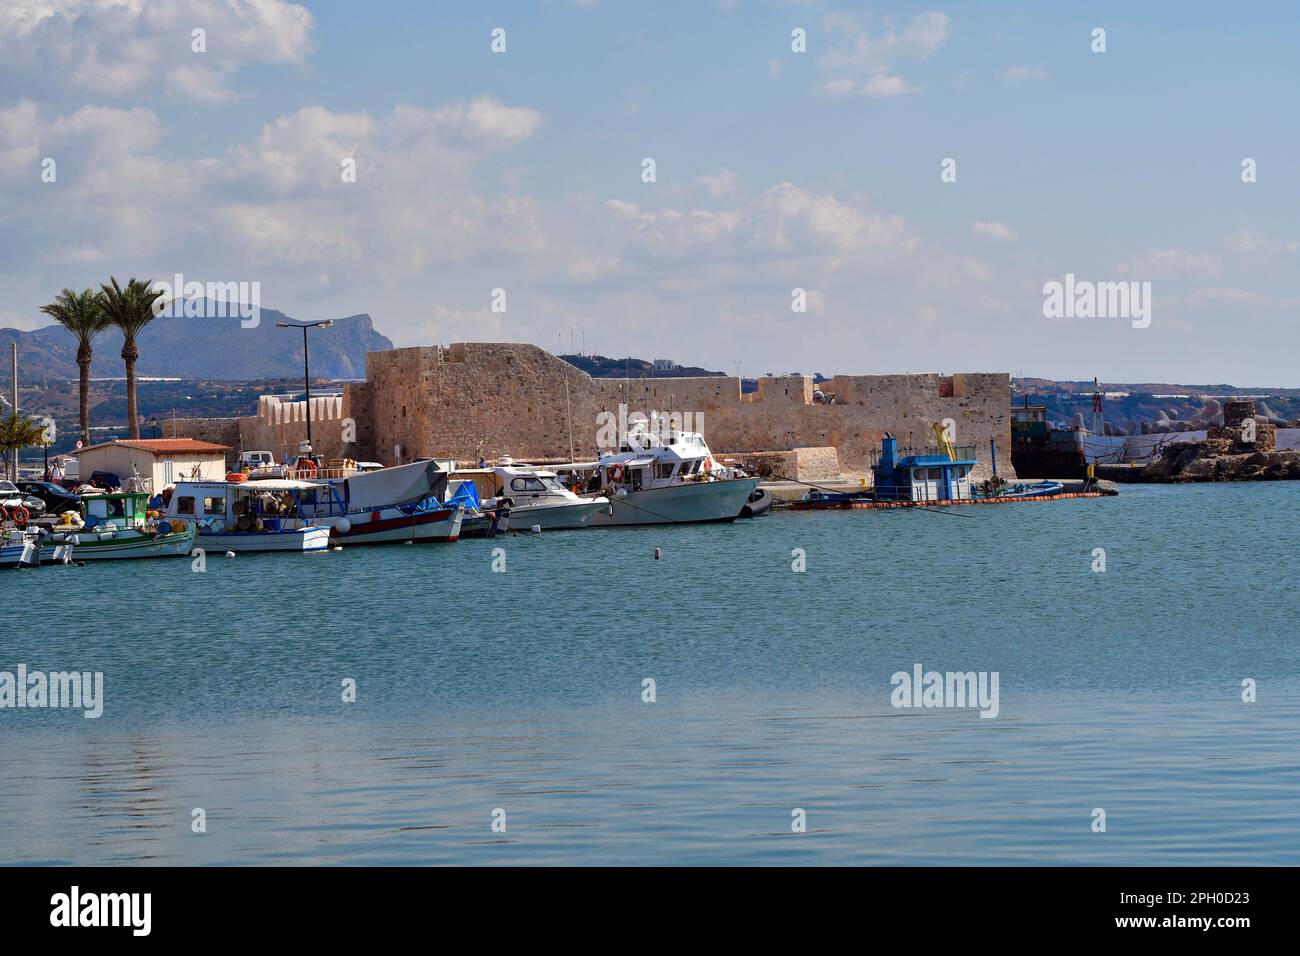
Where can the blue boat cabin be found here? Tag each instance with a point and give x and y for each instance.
(932, 476)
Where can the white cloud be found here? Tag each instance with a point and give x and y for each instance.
(1170, 264)
(865, 66)
(1017, 74)
(722, 184)
(992, 230)
(121, 48)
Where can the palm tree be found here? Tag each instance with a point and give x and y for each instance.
(17, 433)
(82, 314)
(130, 309)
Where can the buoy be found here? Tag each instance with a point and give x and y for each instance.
(658, 554)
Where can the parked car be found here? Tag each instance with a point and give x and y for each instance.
(11, 498)
(57, 500)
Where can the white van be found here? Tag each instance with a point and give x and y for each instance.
(249, 460)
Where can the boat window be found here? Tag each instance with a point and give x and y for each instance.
(185, 506)
(936, 474)
(552, 484)
(527, 484)
(664, 469)
(214, 506)
(918, 474)
(116, 508)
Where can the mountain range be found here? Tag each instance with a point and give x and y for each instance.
(211, 349)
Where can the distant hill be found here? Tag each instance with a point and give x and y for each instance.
(598, 366)
(209, 349)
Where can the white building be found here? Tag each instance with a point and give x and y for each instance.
(164, 461)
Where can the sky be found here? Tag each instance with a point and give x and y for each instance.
(775, 170)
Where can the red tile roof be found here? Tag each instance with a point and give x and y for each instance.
(165, 446)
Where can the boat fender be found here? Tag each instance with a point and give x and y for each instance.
(230, 554)
(343, 526)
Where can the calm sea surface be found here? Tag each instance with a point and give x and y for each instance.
(522, 691)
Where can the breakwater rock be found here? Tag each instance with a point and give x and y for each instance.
(1219, 459)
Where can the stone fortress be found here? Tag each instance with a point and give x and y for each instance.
(473, 400)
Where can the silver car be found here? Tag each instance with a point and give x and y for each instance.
(11, 498)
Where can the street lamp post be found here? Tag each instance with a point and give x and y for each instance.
(306, 373)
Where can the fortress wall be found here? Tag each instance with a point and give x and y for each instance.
(473, 399)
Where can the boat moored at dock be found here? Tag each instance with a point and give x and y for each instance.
(660, 479)
(248, 516)
(118, 526)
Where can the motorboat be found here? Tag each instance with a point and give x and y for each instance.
(660, 478)
(535, 496)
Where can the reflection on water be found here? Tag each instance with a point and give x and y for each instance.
(521, 691)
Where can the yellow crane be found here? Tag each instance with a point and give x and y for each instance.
(941, 433)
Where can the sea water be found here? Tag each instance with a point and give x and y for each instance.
(586, 703)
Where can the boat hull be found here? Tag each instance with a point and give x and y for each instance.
(391, 526)
(568, 516)
(686, 503)
(298, 540)
(18, 550)
(122, 545)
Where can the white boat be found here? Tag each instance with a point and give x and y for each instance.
(117, 526)
(20, 548)
(538, 500)
(386, 506)
(660, 479)
(248, 516)
(534, 496)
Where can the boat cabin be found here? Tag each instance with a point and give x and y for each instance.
(647, 458)
(931, 475)
(126, 509)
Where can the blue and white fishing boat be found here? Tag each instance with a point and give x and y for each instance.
(248, 516)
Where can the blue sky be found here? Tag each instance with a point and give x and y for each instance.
(775, 170)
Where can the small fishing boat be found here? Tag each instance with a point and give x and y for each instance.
(386, 506)
(20, 548)
(537, 499)
(247, 516)
(117, 526)
(482, 519)
(821, 500)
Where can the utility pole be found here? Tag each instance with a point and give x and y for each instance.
(14, 455)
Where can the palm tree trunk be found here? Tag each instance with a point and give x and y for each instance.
(83, 363)
(129, 354)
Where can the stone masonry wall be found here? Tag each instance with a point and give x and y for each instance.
(473, 399)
